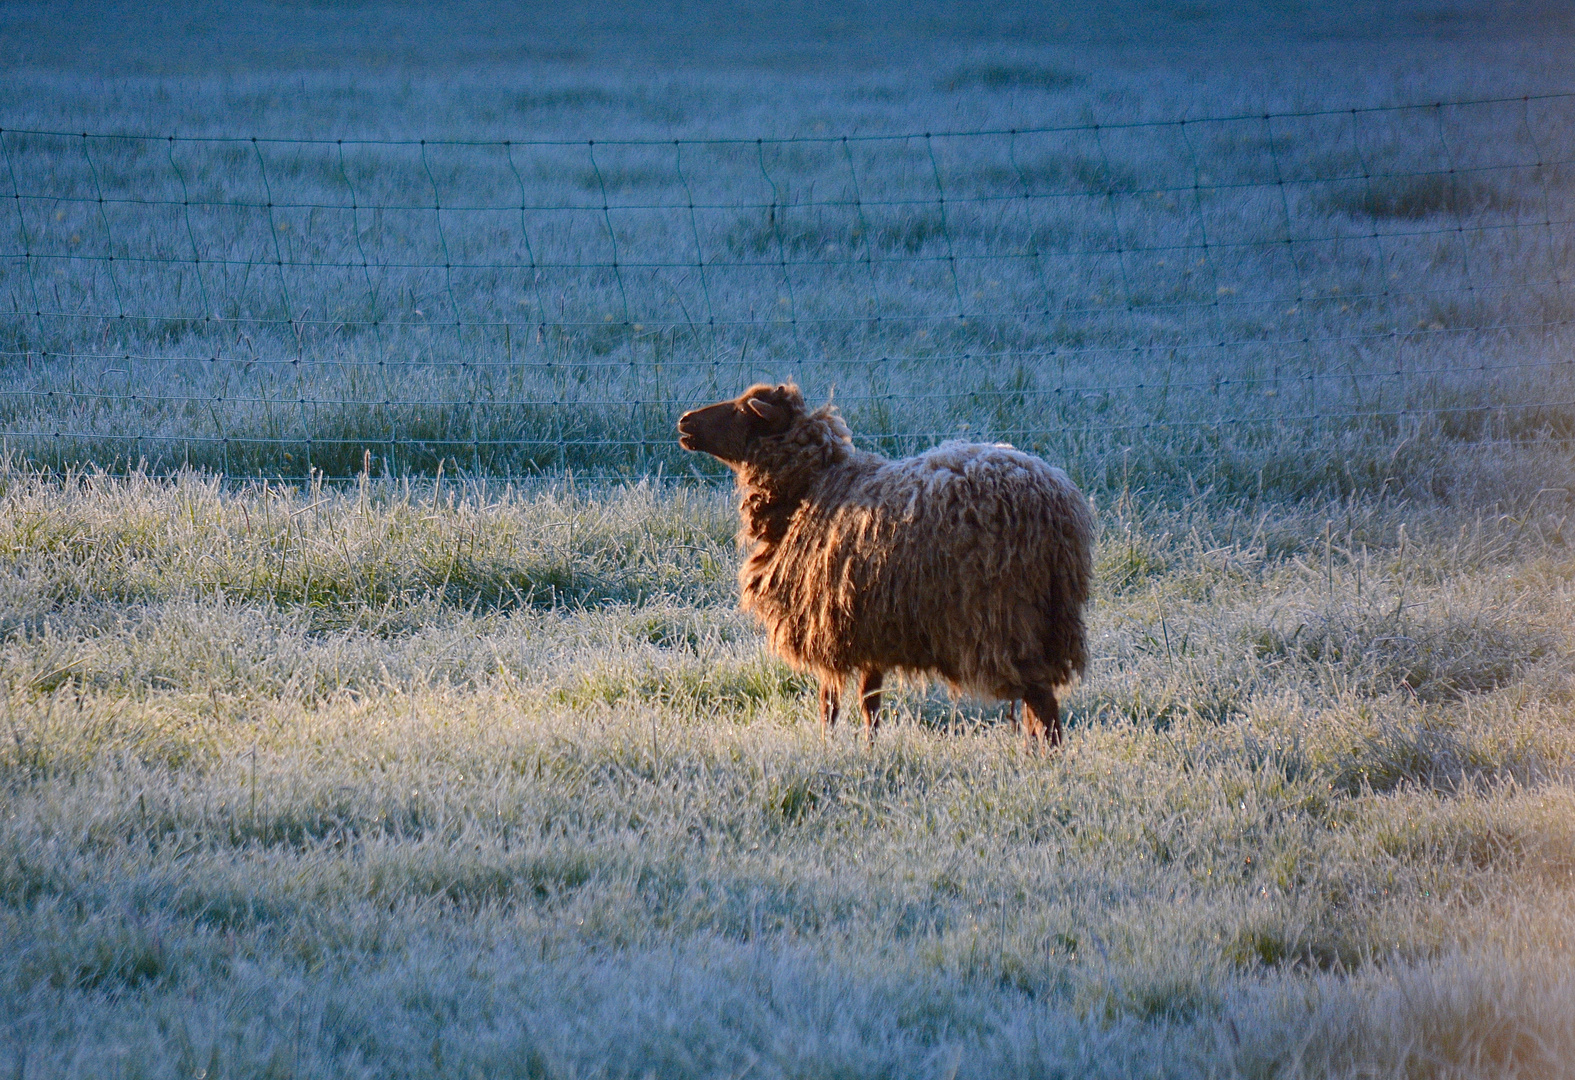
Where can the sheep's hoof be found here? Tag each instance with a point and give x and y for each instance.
(1041, 719)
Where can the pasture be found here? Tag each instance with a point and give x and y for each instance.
(425, 740)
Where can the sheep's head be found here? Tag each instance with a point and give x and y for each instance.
(729, 429)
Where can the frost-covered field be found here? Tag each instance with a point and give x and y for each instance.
(538, 266)
(434, 782)
(404, 777)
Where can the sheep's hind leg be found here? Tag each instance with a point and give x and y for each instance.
(869, 700)
(1041, 718)
(830, 705)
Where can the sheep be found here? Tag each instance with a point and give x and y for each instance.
(970, 562)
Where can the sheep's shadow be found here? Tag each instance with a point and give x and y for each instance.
(934, 709)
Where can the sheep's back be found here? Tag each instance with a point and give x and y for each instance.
(971, 562)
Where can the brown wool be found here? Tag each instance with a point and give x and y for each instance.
(970, 563)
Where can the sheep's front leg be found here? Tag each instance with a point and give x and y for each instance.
(869, 700)
(1041, 718)
(830, 705)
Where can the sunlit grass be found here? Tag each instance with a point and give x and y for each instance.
(1314, 796)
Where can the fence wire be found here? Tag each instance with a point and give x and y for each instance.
(1199, 289)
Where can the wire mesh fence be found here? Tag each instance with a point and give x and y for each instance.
(1226, 293)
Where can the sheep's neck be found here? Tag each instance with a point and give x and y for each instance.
(767, 506)
(774, 483)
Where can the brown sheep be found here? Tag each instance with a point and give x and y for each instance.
(969, 562)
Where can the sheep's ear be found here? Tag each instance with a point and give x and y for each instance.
(771, 414)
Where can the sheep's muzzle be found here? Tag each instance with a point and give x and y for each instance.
(717, 430)
(685, 438)
(688, 437)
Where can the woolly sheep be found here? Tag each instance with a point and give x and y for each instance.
(970, 562)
